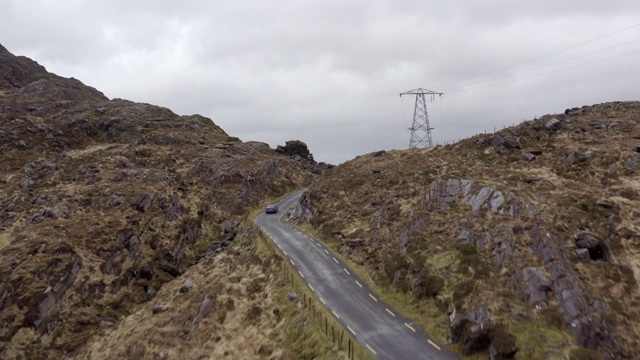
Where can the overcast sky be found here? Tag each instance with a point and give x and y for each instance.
(329, 73)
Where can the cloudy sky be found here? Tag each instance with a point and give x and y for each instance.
(330, 72)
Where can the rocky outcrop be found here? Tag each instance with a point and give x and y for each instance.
(442, 192)
(295, 148)
(583, 315)
(44, 302)
(538, 285)
(473, 330)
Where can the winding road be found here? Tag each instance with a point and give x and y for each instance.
(378, 327)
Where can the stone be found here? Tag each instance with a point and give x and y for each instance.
(583, 255)
(292, 295)
(574, 111)
(22, 144)
(496, 202)
(480, 198)
(472, 330)
(607, 204)
(378, 153)
(295, 147)
(114, 201)
(538, 285)
(186, 286)
(529, 157)
(145, 203)
(510, 143)
(573, 157)
(53, 213)
(553, 125)
(45, 301)
(536, 152)
(586, 240)
(532, 179)
(159, 309)
(27, 183)
(101, 110)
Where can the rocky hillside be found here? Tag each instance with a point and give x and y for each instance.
(102, 202)
(524, 243)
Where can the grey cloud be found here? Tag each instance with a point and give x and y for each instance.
(329, 72)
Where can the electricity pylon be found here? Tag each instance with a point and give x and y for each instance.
(420, 129)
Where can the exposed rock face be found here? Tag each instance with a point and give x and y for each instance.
(111, 199)
(472, 330)
(538, 285)
(553, 125)
(539, 233)
(295, 148)
(576, 306)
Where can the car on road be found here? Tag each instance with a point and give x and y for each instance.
(272, 209)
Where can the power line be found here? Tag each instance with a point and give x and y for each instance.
(547, 73)
(539, 67)
(537, 58)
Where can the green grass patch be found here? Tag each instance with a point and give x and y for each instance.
(538, 340)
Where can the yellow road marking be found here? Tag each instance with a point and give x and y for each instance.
(347, 271)
(370, 349)
(285, 253)
(373, 297)
(292, 263)
(302, 276)
(433, 344)
(335, 313)
(410, 327)
(321, 299)
(390, 312)
(327, 251)
(350, 329)
(312, 289)
(336, 260)
(358, 283)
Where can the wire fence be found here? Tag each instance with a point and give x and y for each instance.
(334, 332)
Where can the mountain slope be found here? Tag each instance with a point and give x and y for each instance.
(522, 243)
(104, 201)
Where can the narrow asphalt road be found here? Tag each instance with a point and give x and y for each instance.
(378, 327)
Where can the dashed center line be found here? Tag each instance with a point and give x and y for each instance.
(336, 260)
(335, 314)
(311, 287)
(279, 246)
(292, 263)
(373, 297)
(433, 344)
(410, 327)
(357, 282)
(285, 253)
(347, 271)
(371, 349)
(299, 272)
(327, 251)
(317, 243)
(324, 302)
(390, 312)
(350, 329)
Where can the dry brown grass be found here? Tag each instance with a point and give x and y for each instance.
(380, 198)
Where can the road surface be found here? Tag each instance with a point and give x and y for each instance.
(378, 327)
